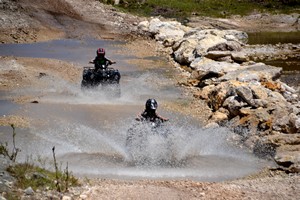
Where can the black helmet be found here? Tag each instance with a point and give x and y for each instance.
(151, 104)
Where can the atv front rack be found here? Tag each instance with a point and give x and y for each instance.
(108, 68)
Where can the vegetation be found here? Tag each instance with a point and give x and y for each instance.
(212, 8)
(30, 175)
(4, 148)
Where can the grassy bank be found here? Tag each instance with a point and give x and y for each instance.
(211, 8)
(29, 174)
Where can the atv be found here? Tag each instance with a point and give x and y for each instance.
(144, 127)
(103, 76)
(149, 143)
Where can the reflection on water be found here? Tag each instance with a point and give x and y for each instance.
(274, 37)
(79, 51)
(291, 64)
(7, 107)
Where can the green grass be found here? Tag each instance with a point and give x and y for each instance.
(212, 8)
(29, 175)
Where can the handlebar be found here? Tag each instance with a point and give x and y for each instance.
(91, 62)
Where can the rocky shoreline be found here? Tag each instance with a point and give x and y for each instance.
(245, 95)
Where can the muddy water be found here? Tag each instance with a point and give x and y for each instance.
(291, 64)
(89, 128)
(274, 37)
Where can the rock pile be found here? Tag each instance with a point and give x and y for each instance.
(245, 95)
(6, 180)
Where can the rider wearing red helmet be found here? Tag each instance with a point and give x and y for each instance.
(150, 112)
(100, 59)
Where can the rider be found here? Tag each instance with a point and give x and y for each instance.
(100, 60)
(150, 112)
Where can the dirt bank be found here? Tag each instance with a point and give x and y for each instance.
(32, 21)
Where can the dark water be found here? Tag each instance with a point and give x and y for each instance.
(291, 64)
(89, 128)
(7, 107)
(274, 37)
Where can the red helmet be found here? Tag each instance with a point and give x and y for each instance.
(100, 51)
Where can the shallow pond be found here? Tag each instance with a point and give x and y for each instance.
(291, 64)
(89, 129)
(274, 37)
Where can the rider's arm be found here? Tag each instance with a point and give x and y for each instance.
(110, 62)
(162, 118)
(138, 118)
(141, 116)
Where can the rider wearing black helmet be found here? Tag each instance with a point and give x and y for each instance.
(100, 60)
(150, 112)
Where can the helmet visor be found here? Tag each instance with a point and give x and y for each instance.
(153, 106)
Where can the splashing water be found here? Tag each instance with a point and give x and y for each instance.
(187, 151)
(90, 129)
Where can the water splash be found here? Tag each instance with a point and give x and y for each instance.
(176, 143)
(57, 90)
(186, 152)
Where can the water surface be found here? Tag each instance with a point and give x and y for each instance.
(89, 128)
(274, 37)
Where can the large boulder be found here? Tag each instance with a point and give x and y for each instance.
(203, 66)
(287, 148)
(166, 32)
(253, 72)
(184, 51)
(200, 44)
